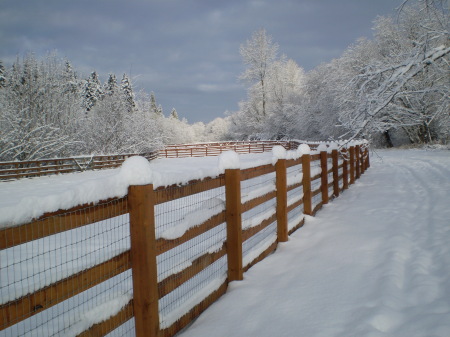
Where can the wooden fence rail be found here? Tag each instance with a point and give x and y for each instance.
(338, 170)
(36, 168)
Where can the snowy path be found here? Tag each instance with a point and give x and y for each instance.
(374, 262)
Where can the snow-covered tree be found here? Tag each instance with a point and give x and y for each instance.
(34, 118)
(174, 114)
(404, 83)
(93, 91)
(110, 87)
(217, 129)
(258, 55)
(2, 75)
(128, 93)
(274, 95)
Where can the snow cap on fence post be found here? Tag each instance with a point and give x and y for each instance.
(278, 152)
(136, 170)
(229, 160)
(304, 149)
(322, 147)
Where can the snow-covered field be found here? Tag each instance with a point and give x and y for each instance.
(374, 262)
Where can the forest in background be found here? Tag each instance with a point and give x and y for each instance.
(392, 89)
(47, 111)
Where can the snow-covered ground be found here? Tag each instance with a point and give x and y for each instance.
(374, 262)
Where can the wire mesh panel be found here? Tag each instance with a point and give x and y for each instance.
(258, 186)
(65, 283)
(316, 183)
(295, 196)
(124, 330)
(192, 232)
(295, 216)
(330, 177)
(263, 214)
(258, 243)
(294, 174)
(342, 163)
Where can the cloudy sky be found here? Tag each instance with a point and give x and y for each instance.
(185, 51)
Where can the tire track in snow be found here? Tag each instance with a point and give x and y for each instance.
(411, 280)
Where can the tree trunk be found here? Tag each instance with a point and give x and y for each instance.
(387, 138)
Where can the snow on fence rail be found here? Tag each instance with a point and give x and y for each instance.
(147, 264)
(36, 168)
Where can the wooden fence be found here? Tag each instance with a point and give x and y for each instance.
(36, 168)
(301, 186)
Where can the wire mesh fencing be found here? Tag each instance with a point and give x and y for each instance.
(295, 196)
(69, 273)
(54, 285)
(192, 232)
(259, 219)
(316, 171)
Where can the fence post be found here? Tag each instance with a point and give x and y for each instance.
(306, 181)
(352, 165)
(324, 176)
(335, 159)
(358, 161)
(345, 154)
(233, 215)
(281, 185)
(143, 260)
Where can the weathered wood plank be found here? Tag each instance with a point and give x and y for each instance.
(249, 232)
(233, 215)
(294, 205)
(258, 201)
(16, 311)
(141, 203)
(257, 171)
(165, 194)
(281, 186)
(163, 245)
(62, 220)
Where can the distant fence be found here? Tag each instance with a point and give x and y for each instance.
(149, 263)
(36, 168)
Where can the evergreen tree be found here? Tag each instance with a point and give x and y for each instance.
(69, 78)
(128, 92)
(159, 111)
(174, 114)
(153, 106)
(110, 86)
(2, 75)
(92, 91)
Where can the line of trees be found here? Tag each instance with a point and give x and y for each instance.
(47, 111)
(393, 87)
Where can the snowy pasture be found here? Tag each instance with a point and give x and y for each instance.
(374, 262)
